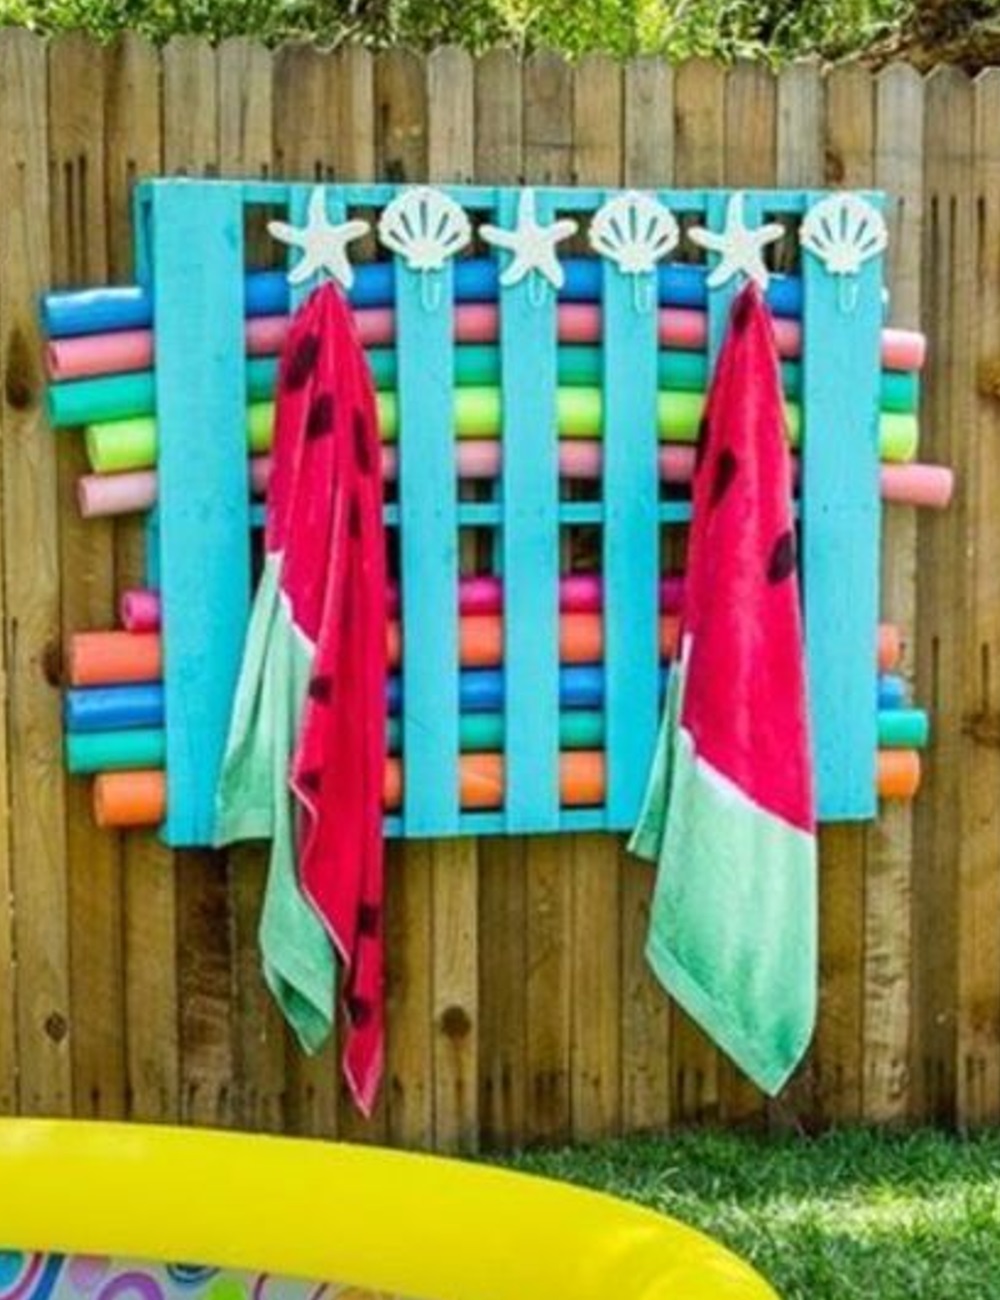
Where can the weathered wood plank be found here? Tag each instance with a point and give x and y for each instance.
(648, 161)
(978, 1064)
(133, 150)
(451, 157)
(947, 297)
(246, 149)
(32, 587)
(700, 116)
(595, 860)
(498, 141)
(897, 157)
(191, 141)
(87, 563)
(401, 154)
(548, 160)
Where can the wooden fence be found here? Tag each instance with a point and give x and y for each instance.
(521, 1008)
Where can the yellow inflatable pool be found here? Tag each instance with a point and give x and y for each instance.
(383, 1223)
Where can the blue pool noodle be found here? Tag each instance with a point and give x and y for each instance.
(481, 690)
(114, 708)
(891, 691)
(105, 310)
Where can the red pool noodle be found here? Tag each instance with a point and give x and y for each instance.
(131, 799)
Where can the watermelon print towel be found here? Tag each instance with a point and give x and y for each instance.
(306, 756)
(729, 814)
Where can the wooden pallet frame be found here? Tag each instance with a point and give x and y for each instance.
(190, 254)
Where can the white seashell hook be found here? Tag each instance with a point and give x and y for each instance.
(425, 227)
(635, 232)
(323, 245)
(844, 231)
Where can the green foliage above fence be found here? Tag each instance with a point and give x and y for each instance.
(776, 29)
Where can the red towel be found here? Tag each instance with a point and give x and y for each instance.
(325, 512)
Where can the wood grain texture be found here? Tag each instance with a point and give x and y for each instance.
(32, 584)
(401, 154)
(978, 1029)
(942, 574)
(246, 148)
(494, 1034)
(548, 160)
(191, 142)
(700, 160)
(647, 160)
(499, 149)
(896, 168)
(79, 246)
(595, 860)
(134, 149)
(455, 880)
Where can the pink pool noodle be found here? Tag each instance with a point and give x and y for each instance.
(475, 322)
(125, 494)
(579, 593)
(139, 610)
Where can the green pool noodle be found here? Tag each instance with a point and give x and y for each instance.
(117, 445)
(114, 446)
(119, 397)
(115, 751)
(122, 397)
(484, 732)
(903, 729)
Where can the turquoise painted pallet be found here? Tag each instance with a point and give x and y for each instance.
(190, 252)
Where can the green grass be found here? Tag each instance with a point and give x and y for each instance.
(848, 1216)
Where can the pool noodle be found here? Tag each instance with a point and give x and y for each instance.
(115, 751)
(113, 708)
(135, 490)
(118, 397)
(114, 658)
(891, 691)
(120, 445)
(579, 593)
(99, 495)
(118, 658)
(266, 293)
(123, 799)
(898, 773)
(903, 729)
(681, 328)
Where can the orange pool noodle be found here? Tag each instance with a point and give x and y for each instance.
(130, 798)
(124, 799)
(114, 658)
(898, 773)
(581, 640)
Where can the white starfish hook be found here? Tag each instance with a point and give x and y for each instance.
(324, 246)
(740, 249)
(533, 246)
